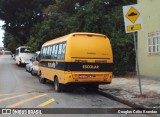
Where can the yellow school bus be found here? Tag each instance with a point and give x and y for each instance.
(83, 59)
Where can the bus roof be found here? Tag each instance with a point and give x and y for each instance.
(86, 33)
(22, 47)
(64, 38)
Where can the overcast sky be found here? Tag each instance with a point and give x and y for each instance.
(1, 33)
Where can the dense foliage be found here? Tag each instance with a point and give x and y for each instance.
(20, 16)
(32, 22)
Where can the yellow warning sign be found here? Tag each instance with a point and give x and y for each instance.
(134, 27)
(132, 18)
(132, 14)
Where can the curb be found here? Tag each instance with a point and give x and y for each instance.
(126, 102)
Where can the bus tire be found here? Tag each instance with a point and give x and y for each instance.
(57, 86)
(42, 80)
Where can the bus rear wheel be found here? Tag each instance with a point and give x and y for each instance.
(57, 86)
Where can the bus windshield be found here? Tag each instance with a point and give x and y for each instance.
(24, 50)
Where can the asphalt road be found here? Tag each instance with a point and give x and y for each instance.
(18, 89)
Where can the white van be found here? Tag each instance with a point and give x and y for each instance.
(23, 55)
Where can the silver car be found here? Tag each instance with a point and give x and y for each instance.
(28, 66)
(34, 68)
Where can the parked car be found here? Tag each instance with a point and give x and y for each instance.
(32, 66)
(28, 66)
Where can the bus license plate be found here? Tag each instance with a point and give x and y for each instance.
(83, 76)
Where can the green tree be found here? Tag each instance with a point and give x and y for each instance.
(19, 16)
(53, 26)
(10, 42)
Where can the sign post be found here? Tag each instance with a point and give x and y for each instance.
(137, 63)
(133, 23)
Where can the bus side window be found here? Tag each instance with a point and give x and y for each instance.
(48, 52)
(56, 51)
(48, 49)
(63, 50)
(44, 52)
(41, 54)
(53, 51)
(59, 52)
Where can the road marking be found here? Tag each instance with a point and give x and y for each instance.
(46, 103)
(5, 94)
(24, 101)
(4, 99)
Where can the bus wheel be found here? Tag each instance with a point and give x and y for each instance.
(92, 88)
(57, 85)
(42, 80)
